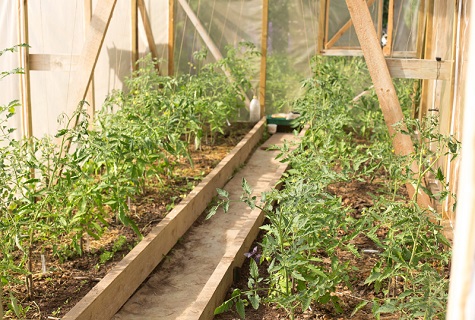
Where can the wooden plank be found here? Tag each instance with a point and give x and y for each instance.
(462, 276)
(106, 298)
(419, 69)
(385, 90)
(171, 37)
(53, 62)
(134, 34)
(321, 26)
(263, 72)
(25, 86)
(148, 32)
(342, 30)
(90, 53)
(388, 47)
(209, 43)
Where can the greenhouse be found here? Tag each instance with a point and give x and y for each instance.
(237, 159)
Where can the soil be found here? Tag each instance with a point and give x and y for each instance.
(355, 195)
(64, 283)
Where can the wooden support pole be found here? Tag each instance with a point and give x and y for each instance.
(171, 37)
(90, 96)
(26, 115)
(388, 47)
(263, 75)
(134, 34)
(384, 88)
(90, 53)
(462, 275)
(321, 26)
(209, 43)
(148, 32)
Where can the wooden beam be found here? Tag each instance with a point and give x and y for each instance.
(94, 38)
(25, 87)
(263, 75)
(209, 43)
(171, 37)
(419, 69)
(342, 30)
(385, 90)
(106, 298)
(388, 47)
(148, 32)
(134, 34)
(53, 62)
(321, 26)
(462, 275)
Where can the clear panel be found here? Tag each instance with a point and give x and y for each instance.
(406, 19)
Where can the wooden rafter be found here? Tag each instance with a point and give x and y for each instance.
(171, 37)
(263, 75)
(148, 31)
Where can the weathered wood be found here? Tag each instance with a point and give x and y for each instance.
(148, 32)
(106, 298)
(462, 276)
(342, 30)
(134, 34)
(419, 69)
(388, 47)
(171, 37)
(25, 88)
(263, 72)
(385, 90)
(321, 26)
(89, 54)
(53, 62)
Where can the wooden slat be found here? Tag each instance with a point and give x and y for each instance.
(53, 62)
(171, 37)
(148, 31)
(342, 30)
(94, 38)
(321, 26)
(106, 298)
(263, 75)
(25, 87)
(385, 90)
(419, 69)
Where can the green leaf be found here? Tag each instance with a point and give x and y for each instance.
(61, 133)
(211, 212)
(224, 307)
(254, 270)
(254, 299)
(222, 193)
(240, 308)
(246, 187)
(360, 306)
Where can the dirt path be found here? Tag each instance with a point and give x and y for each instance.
(170, 292)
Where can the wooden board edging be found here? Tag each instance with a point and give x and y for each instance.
(222, 278)
(108, 296)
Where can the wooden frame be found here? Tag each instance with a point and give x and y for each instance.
(148, 32)
(263, 70)
(171, 37)
(106, 298)
(134, 34)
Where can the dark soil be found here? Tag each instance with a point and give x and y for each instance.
(69, 279)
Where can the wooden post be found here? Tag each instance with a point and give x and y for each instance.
(321, 26)
(263, 75)
(90, 96)
(462, 280)
(134, 34)
(384, 88)
(171, 37)
(26, 116)
(94, 38)
(148, 32)
(388, 47)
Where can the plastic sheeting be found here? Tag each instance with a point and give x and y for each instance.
(57, 27)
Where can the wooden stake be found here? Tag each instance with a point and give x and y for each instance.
(23, 35)
(385, 90)
(134, 34)
(148, 32)
(263, 75)
(171, 37)
(388, 47)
